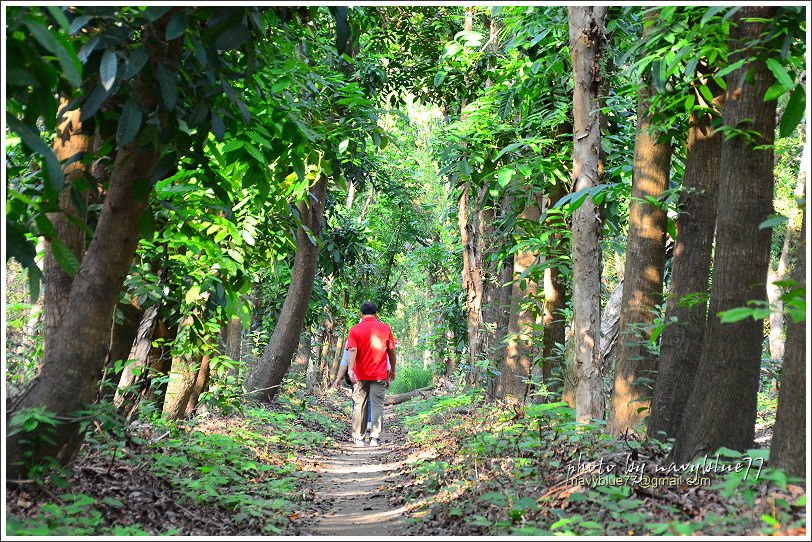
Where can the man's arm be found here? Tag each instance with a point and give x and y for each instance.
(351, 364)
(342, 370)
(392, 358)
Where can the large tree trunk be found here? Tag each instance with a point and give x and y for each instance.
(586, 36)
(783, 270)
(263, 383)
(518, 360)
(721, 410)
(73, 140)
(788, 448)
(687, 298)
(233, 338)
(645, 258)
(70, 373)
(182, 377)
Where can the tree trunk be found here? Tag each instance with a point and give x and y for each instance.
(721, 409)
(73, 140)
(518, 360)
(139, 351)
(555, 299)
(687, 298)
(199, 386)
(159, 363)
(645, 259)
(233, 339)
(303, 352)
(263, 383)
(70, 373)
(790, 240)
(610, 327)
(122, 337)
(182, 378)
(399, 398)
(788, 448)
(586, 35)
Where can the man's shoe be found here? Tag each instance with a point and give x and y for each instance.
(374, 442)
(359, 442)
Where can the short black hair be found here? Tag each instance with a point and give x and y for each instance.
(368, 307)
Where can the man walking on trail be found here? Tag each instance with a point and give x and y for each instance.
(371, 345)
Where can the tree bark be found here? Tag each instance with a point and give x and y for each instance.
(139, 351)
(398, 398)
(199, 386)
(721, 409)
(643, 285)
(554, 326)
(586, 36)
(263, 383)
(776, 337)
(233, 339)
(687, 299)
(788, 448)
(518, 360)
(73, 140)
(182, 377)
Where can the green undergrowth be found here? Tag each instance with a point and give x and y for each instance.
(411, 377)
(214, 475)
(491, 470)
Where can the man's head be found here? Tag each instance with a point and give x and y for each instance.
(368, 307)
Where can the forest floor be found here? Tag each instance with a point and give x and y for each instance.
(449, 465)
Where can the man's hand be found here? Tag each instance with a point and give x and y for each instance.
(352, 376)
(391, 375)
(337, 384)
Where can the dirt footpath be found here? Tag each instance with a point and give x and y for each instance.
(355, 493)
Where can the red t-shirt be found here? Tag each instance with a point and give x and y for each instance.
(372, 338)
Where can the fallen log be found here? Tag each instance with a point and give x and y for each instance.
(398, 398)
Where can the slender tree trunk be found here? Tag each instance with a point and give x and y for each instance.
(681, 342)
(303, 352)
(263, 383)
(159, 363)
(139, 351)
(518, 360)
(199, 386)
(788, 448)
(122, 336)
(645, 259)
(783, 270)
(721, 410)
(555, 299)
(233, 339)
(73, 140)
(586, 30)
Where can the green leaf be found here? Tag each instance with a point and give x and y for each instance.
(741, 313)
(64, 257)
(439, 77)
(342, 147)
(253, 151)
(108, 69)
(796, 107)
(128, 124)
(79, 23)
(176, 26)
(769, 520)
(774, 92)
(232, 37)
(505, 174)
(780, 72)
(772, 222)
(235, 255)
(68, 60)
(135, 62)
(169, 89)
(192, 294)
(218, 127)
(55, 178)
(727, 69)
(93, 102)
(59, 17)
